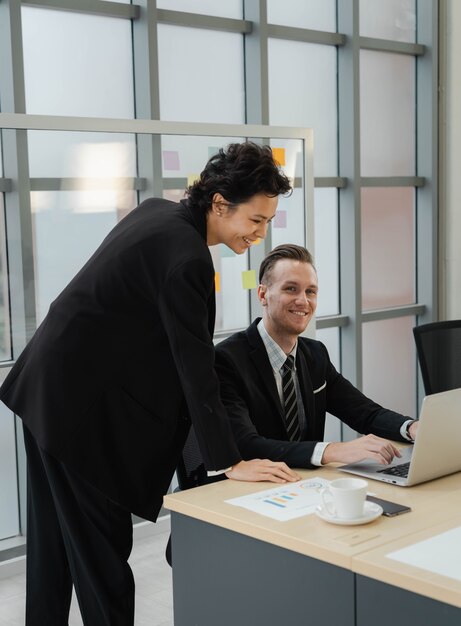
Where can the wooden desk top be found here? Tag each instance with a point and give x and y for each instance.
(432, 504)
(377, 564)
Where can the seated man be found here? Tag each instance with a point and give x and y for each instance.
(277, 386)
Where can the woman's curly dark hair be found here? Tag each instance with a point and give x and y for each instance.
(238, 172)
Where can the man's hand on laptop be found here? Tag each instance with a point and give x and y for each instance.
(367, 447)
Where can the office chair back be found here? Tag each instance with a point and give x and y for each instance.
(438, 346)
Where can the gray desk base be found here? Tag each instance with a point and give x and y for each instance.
(223, 578)
(379, 604)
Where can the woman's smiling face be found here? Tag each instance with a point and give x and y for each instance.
(239, 226)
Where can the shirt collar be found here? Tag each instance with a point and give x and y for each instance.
(277, 356)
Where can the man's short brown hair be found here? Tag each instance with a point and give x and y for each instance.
(285, 251)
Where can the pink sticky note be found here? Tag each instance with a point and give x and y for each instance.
(170, 160)
(280, 219)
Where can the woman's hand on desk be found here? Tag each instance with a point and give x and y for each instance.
(367, 447)
(263, 469)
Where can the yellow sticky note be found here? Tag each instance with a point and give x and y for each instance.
(217, 282)
(279, 155)
(256, 242)
(192, 178)
(249, 279)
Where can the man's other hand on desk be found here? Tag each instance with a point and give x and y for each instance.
(263, 469)
(367, 447)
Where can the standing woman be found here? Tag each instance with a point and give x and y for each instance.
(112, 379)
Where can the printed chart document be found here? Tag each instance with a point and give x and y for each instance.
(440, 554)
(287, 502)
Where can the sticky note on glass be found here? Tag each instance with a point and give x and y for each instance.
(279, 155)
(217, 282)
(249, 279)
(171, 160)
(192, 178)
(280, 219)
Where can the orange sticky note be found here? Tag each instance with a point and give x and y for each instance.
(249, 279)
(279, 155)
(217, 282)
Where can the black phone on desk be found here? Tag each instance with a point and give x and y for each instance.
(390, 509)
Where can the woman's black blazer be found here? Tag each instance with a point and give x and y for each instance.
(124, 360)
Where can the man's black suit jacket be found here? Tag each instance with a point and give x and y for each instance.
(249, 392)
(124, 360)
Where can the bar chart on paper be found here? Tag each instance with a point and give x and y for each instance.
(284, 503)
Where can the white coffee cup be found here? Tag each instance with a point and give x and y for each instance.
(345, 497)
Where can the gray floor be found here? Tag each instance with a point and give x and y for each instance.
(154, 600)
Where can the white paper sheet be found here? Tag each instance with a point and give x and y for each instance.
(284, 503)
(440, 554)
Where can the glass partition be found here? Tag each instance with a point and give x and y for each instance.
(83, 183)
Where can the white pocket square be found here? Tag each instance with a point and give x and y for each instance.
(320, 388)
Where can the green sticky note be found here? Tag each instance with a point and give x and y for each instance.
(249, 279)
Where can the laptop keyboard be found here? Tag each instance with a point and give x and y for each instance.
(397, 470)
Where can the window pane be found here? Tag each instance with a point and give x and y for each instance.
(229, 8)
(9, 514)
(70, 61)
(330, 337)
(389, 364)
(70, 223)
(190, 93)
(5, 337)
(388, 247)
(392, 19)
(313, 14)
(387, 101)
(290, 95)
(327, 250)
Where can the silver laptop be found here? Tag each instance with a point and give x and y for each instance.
(436, 451)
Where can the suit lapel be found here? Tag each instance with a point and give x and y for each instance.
(258, 355)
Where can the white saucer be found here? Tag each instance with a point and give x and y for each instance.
(370, 513)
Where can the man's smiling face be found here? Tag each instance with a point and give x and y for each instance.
(289, 298)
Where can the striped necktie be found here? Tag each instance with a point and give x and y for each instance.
(289, 399)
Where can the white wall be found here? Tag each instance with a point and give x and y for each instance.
(452, 256)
